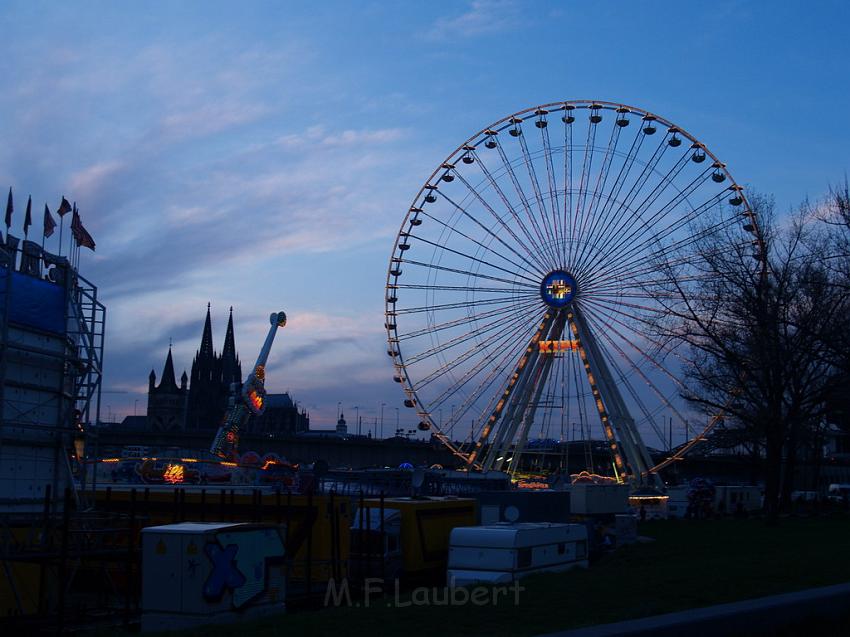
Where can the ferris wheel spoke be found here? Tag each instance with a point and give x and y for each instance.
(438, 327)
(443, 268)
(453, 288)
(534, 270)
(533, 258)
(543, 245)
(602, 219)
(569, 218)
(586, 165)
(648, 167)
(550, 232)
(646, 264)
(461, 304)
(514, 329)
(625, 382)
(456, 341)
(497, 371)
(636, 257)
(553, 185)
(603, 330)
(599, 189)
(646, 226)
(617, 308)
(624, 284)
(514, 214)
(641, 352)
(636, 254)
(468, 256)
(625, 210)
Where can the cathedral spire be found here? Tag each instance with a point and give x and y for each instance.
(168, 379)
(206, 349)
(230, 368)
(229, 350)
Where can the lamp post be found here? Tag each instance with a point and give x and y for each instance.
(396, 418)
(357, 417)
(135, 404)
(381, 435)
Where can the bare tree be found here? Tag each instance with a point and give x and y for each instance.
(756, 324)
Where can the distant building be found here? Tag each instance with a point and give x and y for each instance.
(167, 401)
(341, 427)
(281, 417)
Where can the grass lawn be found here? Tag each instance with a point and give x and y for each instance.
(691, 563)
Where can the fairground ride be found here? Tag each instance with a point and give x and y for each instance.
(250, 401)
(532, 270)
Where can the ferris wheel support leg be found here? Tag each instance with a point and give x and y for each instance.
(528, 419)
(516, 386)
(522, 411)
(637, 455)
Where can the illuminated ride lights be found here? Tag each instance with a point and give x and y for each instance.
(174, 474)
(568, 227)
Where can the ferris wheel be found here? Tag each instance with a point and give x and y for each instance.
(530, 274)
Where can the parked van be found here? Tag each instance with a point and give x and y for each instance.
(500, 553)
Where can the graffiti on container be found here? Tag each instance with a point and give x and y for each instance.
(240, 563)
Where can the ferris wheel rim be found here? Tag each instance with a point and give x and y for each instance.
(472, 142)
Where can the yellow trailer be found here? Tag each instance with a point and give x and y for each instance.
(415, 531)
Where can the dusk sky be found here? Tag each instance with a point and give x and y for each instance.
(263, 154)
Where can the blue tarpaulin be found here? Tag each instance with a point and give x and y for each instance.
(34, 302)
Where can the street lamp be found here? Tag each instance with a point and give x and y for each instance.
(357, 417)
(396, 418)
(381, 435)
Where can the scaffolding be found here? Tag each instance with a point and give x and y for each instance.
(51, 360)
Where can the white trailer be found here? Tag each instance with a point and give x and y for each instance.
(501, 553)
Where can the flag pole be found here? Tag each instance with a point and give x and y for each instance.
(61, 226)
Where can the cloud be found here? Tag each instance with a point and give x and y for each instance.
(483, 17)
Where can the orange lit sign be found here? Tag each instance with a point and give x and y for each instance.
(173, 474)
(551, 347)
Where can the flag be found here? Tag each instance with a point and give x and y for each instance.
(28, 217)
(64, 208)
(49, 223)
(75, 224)
(9, 209)
(81, 235)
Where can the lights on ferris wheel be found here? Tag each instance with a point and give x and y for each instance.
(554, 347)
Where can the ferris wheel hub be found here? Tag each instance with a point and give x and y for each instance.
(558, 289)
